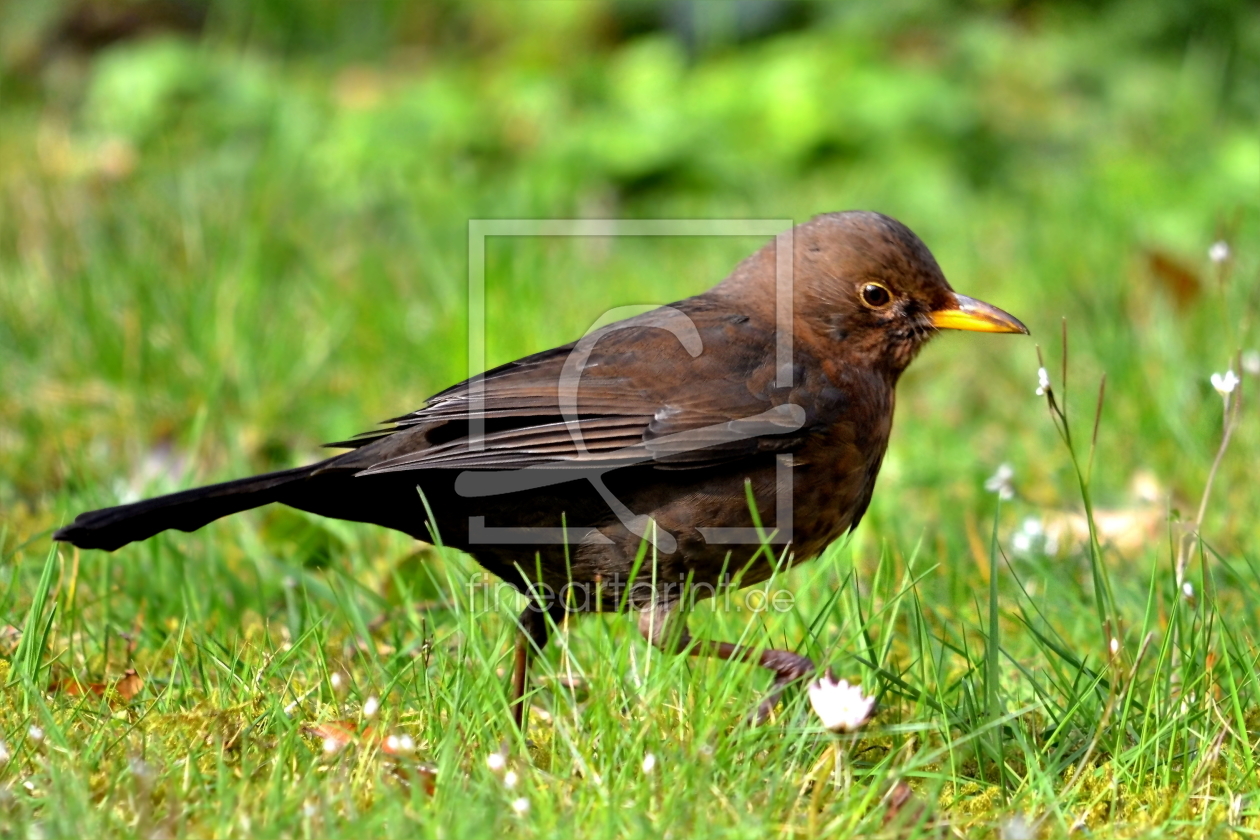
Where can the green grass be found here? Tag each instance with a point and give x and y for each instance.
(213, 258)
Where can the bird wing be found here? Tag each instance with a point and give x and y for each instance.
(684, 386)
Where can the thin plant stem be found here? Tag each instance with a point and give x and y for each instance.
(1229, 421)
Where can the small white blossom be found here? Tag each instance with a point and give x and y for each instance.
(510, 779)
(1018, 828)
(335, 679)
(1219, 252)
(331, 745)
(496, 761)
(1001, 482)
(1225, 383)
(1043, 382)
(36, 734)
(140, 769)
(649, 763)
(1187, 589)
(841, 707)
(1031, 539)
(400, 745)
(1251, 362)
(521, 806)
(1115, 645)
(371, 707)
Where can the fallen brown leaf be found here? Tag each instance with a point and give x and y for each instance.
(1125, 529)
(130, 684)
(425, 775)
(335, 734)
(124, 688)
(1181, 281)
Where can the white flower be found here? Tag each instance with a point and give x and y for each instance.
(496, 761)
(331, 745)
(1115, 645)
(371, 707)
(1251, 362)
(1018, 828)
(1001, 482)
(36, 734)
(140, 769)
(1043, 382)
(1187, 589)
(1022, 542)
(400, 745)
(841, 707)
(649, 763)
(510, 779)
(521, 806)
(1031, 539)
(1219, 252)
(1225, 384)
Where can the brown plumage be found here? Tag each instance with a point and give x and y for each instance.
(651, 428)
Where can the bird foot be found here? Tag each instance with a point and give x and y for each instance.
(788, 668)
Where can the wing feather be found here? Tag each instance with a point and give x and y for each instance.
(681, 410)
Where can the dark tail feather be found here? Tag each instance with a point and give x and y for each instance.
(113, 527)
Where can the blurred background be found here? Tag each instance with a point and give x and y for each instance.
(230, 231)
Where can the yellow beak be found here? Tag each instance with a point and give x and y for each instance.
(977, 316)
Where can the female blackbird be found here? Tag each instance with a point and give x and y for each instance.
(660, 457)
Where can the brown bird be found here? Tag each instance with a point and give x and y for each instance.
(620, 472)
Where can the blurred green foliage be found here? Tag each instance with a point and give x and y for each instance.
(544, 95)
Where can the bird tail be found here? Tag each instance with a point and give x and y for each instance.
(113, 527)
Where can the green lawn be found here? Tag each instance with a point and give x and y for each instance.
(217, 254)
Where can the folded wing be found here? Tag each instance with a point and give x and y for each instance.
(596, 404)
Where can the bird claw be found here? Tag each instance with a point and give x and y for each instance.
(788, 668)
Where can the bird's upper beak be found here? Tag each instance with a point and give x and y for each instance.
(977, 316)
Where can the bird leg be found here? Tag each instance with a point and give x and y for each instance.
(532, 636)
(666, 629)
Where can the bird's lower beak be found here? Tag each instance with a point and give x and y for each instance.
(977, 316)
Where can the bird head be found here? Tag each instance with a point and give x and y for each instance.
(867, 284)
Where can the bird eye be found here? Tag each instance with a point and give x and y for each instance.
(876, 296)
